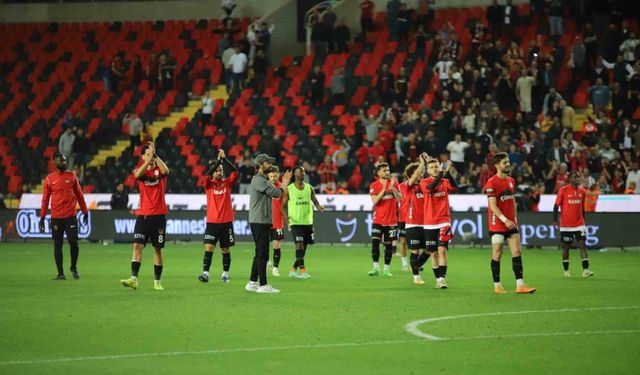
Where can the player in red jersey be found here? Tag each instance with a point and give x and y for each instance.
(151, 222)
(63, 188)
(385, 195)
(570, 200)
(437, 216)
(415, 208)
(219, 215)
(503, 223)
(403, 207)
(277, 228)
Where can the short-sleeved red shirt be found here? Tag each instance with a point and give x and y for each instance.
(219, 208)
(404, 202)
(276, 209)
(386, 211)
(436, 203)
(503, 189)
(152, 186)
(415, 206)
(571, 202)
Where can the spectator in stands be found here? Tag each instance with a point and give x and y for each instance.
(341, 159)
(338, 86)
(246, 171)
(105, 74)
(607, 152)
(613, 38)
(238, 63)
(329, 20)
(167, 68)
(504, 92)
(65, 145)
(343, 188)
(403, 23)
(600, 96)
(319, 44)
(3, 205)
(556, 14)
(549, 99)
(631, 188)
(524, 87)
(136, 72)
(510, 20)
(628, 48)
(81, 149)
(117, 73)
(443, 68)
(135, 127)
(633, 177)
(367, 8)
(495, 18)
(328, 172)
(402, 86)
(342, 36)
(393, 7)
(567, 116)
(316, 86)
(225, 42)
(385, 85)
(207, 108)
(260, 65)
(119, 198)
(152, 72)
(372, 124)
(457, 149)
(578, 62)
(226, 64)
(264, 37)
(625, 134)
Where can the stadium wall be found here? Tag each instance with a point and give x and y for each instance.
(345, 227)
(131, 10)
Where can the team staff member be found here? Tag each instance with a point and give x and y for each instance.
(385, 195)
(64, 190)
(151, 222)
(503, 223)
(219, 215)
(298, 198)
(570, 200)
(260, 220)
(277, 227)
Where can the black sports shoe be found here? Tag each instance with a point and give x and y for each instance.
(60, 277)
(204, 278)
(75, 273)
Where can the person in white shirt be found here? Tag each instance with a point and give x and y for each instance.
(442, 68)
(207, 108)
(456, 150)
(634, 176)
(238, 63)
(226, 63)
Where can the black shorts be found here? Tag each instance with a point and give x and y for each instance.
(432, 239)
(402, 231)
(222, 232)
(568, 237)
(385, 233)
(303, 233)
(277, 234)
(506, 234)
(151, 226)
(415, 238)
(68, 225)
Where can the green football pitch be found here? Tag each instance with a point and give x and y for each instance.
(340, 321)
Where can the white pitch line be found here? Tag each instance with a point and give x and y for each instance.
(412, 327)
(429, 338)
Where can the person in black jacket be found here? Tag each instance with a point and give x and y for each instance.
(119, 198)
(385, 86)
(316, 86)
(342, 37)
(495, 17)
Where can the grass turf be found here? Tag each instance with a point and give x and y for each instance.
(339, 321)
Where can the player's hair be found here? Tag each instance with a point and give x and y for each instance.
(432, 160)
(296, 168)
(145, 147)
(380, 166)
(410, 170)
(574, 173)
(497, 158)
(273, 169)
(57, 155)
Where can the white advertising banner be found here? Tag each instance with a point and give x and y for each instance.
(354, 202)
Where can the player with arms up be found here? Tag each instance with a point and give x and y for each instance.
(385, 195)
(298, 200)
(570, 200)
(219, 215)
(503, 223)
(151, 222)
(63, 188)
(277, 227)
(437, 216)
